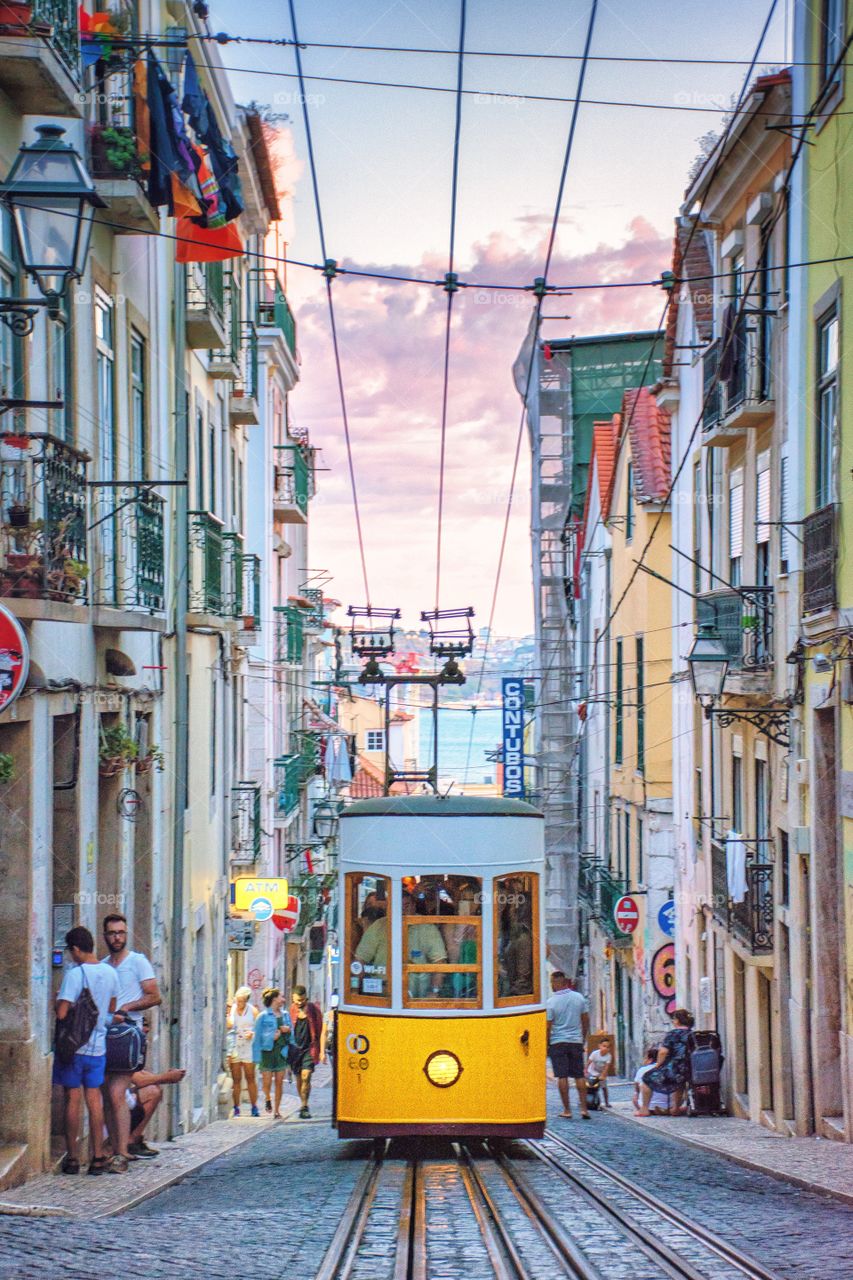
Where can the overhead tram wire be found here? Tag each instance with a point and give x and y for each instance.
(332, 323)
(451, 287)
(541, 293)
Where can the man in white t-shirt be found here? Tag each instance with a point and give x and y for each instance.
(84, 1074)
(567, 1011)
(138, 990)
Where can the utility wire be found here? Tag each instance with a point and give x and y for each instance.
(332, 323)
(450, 285)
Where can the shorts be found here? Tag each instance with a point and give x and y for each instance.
(567, 1061)
(301, 1061)
(84, 1070)
(272, 1060)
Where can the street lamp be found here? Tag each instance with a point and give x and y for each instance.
(326, 819)
(52, 199)
(709, 666)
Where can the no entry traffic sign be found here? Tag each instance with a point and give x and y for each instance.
(285, 918)
(14, 658)
(626, 913)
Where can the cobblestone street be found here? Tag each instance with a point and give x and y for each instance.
(270, 1206)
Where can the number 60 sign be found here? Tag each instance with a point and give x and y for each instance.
(663, 974)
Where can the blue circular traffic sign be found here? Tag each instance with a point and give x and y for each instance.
(666, 918)
(262, 908)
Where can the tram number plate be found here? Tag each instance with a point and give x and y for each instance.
(371, 986)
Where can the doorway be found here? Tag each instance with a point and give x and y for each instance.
(827, 897)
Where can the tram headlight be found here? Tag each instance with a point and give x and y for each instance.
(442, 1068)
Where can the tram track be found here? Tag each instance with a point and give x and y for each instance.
(539, 1208)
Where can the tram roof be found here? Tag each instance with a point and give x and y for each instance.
(441, 807)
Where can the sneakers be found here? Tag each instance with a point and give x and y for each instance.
(236, 1111)
(304, 1114)
(255, 1111)
(142, 1150)
(70, 1165)
(268, 1106)
(118, 1164)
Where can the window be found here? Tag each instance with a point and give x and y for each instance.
(368, 938)
(214, 731)
(737, 794)
(374, 740)
(785, 863)
(106, 430)
(765, 318)
(138, 406)
(626, 845)
(640, 851)
(629, 504)
(516, 939)
(211, 466)
(641, 707)
(784, 516)
(832, 35)
(697, 526)
(735, 525)
(442, 955)
(762, 807)
(619, 710)
(199, 458)
(827, 407)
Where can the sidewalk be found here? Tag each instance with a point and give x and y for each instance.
(817, 1164)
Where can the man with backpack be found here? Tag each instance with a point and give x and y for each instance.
(85, 1004)
(138, 990)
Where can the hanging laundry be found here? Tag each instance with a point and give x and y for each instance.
(184, 202)
(736, 866)
(141, 115)
(96, 37)
(207, 244)
(171, 150)
(220, 153)
(212, 213)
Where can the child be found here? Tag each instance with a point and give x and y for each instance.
(659, 1102)
(598, 1065)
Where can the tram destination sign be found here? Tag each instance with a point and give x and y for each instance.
(512, 691)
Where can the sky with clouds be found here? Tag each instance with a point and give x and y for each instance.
(384, 158)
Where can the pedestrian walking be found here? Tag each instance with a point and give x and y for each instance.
(670, 1074)
(84, 1074)
(269, 1046)
(307, 1021)
(598, 1066)
(567, 1012)
(241, 1021)
(143, 1098)
(138, 990)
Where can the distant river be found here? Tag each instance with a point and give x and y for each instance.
(454, 728)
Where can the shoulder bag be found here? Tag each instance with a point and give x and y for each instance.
(75, 1028)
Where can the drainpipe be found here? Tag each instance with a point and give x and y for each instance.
(181, 694)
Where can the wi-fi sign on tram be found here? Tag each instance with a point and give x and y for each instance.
(626, 913)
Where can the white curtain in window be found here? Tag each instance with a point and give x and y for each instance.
(762, 497)
(736, 513)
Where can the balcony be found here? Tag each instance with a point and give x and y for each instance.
(247, 606)
(245, 823)
(288, 779)
(745, 397)
(289, 635)
(820, 558)
(294, 483)
(205, 320)
(243, 404)
(750, 921)
(113, 153)
(599, 891)
(207, 581)
(40, 57)
(128, 554)
(744, 622)
(44, 561)
(309, 753)
(273, 309)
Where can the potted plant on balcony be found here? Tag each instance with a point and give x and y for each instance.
(114, 152)
(7, 767)
(154, 756)
(117, 750)
(66, 578)
(18, 515)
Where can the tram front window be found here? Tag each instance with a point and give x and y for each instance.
(368, 938)
(442, 918)
(516, 928)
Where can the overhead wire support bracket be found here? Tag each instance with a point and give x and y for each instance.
(451, 282)
(372, 630)
(449, 641)
(330, 268)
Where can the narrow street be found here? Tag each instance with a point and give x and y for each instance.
(272, 1207)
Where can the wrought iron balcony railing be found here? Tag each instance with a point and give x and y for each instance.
(288, 779)
(820, 558)
(207, 586)
(743, 620)
(43, 519)
(737, 375)
(294, 479)
(751, 920)
(314, 615)
(289, 634)
(712, 411)
(599, 890)
(309, 753)
(273, 308)
(128, 553)
(206, 318)
(247, 606)
(245, 823)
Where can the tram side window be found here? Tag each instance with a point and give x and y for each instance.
(368, 938)
(442, 941)
(516, 939)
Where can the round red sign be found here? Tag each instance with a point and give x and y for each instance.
(626, 913)
(286, 919)
(14, 658)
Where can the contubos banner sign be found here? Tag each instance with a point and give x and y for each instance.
(513, 737)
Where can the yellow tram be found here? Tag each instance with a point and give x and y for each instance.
(441, 1022)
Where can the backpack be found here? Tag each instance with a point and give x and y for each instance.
(125, 1047)
(74, 1029)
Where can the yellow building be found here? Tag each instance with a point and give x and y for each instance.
(639, 649)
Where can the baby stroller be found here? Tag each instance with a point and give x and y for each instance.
(704, 1063)
(593, 1100)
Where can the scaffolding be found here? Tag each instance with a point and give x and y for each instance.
(575, 383)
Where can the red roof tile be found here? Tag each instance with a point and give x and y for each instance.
(691, 262)
(601, 463)
(649, 431)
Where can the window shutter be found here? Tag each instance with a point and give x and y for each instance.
(736, 514)
(762, 498)
(784, 514)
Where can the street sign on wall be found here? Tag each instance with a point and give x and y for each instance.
(626, 913)
(666, 918)
(512, 691)
(286, 918)
(239, 934)
(14, 658)
(262, 895)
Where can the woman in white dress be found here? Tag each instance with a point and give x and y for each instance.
(241, 1025)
